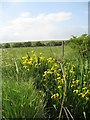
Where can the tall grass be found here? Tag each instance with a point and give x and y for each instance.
(20, 100)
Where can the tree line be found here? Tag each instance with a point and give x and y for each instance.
(30, 44)
(81, 44)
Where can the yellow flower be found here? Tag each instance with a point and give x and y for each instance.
(56, 65)
(59, 69)
(58, 78)
(34, 55)
(58, 74)
(24, 58)
(79, 94)
(33, 51)
(73, 82)
(40, 53)
(83, 95)
(44, 95)
(59, 87)
(55, 96)
(87, 92)
(41, 58)
(25, 67)
(52, 68)
(55, 71)
(77, 81)
(49, 72)
(76, 91)
(31, 59)
(50, 59)
(45, 74)
(71, 71)
(85, 83)
(53, 59)
(29, 62)
(25, 62)
(87, 98)
(72, 85)
(84, 88)
(40, 91)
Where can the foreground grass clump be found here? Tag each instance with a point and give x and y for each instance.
(20, 100)
(67, 81)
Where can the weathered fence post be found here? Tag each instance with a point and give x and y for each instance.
(62, 48)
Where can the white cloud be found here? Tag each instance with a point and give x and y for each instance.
(52, 17)
(25, 14)
(55, 16)
(39, 27)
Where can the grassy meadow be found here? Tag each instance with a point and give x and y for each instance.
(9, 54)
(39, 83)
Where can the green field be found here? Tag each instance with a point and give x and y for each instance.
(61, 83)
(11, 54)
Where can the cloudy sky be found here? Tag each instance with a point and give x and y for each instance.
(24, 21)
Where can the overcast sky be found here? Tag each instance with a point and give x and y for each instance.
(24, 21)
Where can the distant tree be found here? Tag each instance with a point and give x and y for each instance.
(51, 43)
(6, 45)
(27, 44)
(58, 43)
(54, 43)
(39, 44)
(18, 44)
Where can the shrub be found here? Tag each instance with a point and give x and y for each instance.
(81, 44)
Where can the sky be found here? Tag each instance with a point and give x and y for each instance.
(44, 0)
(29, 21)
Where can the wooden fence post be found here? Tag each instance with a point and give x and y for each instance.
(62, 48)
